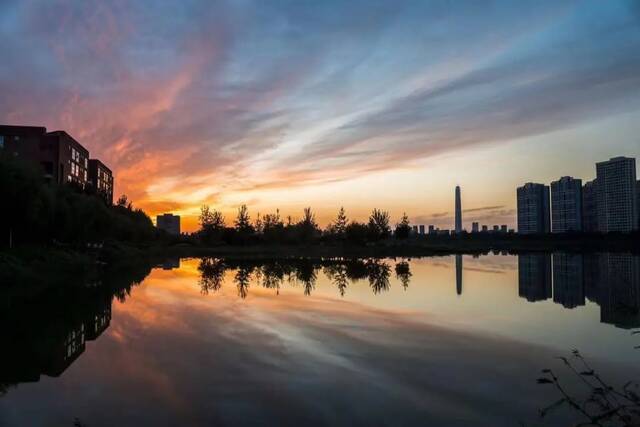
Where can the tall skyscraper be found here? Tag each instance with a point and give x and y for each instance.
(617, 198)
(533, 209)
(459, 274)
(590, 207)
(458, 211)
(566, 205)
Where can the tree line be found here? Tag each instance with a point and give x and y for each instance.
(272, 228)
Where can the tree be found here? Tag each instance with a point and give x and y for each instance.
(123, 201)
(307, 227)
(339, 226)
(243, 223)
(403, 228)
(356, 232)
(379, 225)
(210, 220)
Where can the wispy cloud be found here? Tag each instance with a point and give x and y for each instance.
(188, 101)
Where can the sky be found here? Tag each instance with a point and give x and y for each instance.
(361, 104)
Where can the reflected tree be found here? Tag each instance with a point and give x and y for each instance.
(337, 273)
(211, 274)
(403, 273)
(306, 274)
(378, 274)
(242, 278)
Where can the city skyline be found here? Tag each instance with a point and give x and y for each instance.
(186, 108)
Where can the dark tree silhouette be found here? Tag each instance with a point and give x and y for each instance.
(379, 225)
(403, 228)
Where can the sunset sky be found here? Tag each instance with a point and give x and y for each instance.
(287, 104)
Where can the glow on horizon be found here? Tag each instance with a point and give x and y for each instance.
(360, 104)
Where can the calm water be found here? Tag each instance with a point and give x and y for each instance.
(447, 341)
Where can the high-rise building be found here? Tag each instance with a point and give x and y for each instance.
(485, 228)
(533, 209)
(458, 210)
(432, 229)
(589, 207)
(475, 227)
(169, 223)
(617, 195)
(566, 205)
(421, 228)
(101, 179)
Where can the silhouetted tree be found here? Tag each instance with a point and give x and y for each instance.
(243, 225)
(379, 225)
(307, 227)
(403, 228)
(123, 201)
(338, 228)
(356, 232)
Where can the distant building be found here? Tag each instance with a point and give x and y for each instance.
(485, 229)
(101, 179)
(533, 209)
(475, 227)
(496, 228)
(504, 228)
(566, 205)
(568, 281)
(458, 225)
(534, 277)
(169, 223)
(617, 195)
(421, 228)
(589, 207)
(432, 229)
(414, 229)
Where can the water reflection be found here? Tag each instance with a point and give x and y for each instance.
(611, 280)
(47, 334)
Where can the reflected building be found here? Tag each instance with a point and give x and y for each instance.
(459, 274)
(534, 277)
(619, 298)
(568, 283)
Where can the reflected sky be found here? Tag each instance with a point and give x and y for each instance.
(413, 353)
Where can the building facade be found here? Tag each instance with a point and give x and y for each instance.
(617, 195)
(566, 205)
(533, 208)
(101, 180)
(590, 207)
(169, 223)
(62, 159)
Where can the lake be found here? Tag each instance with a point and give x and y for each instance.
(445, 341)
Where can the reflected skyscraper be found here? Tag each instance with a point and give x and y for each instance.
(568, 283)
(458, 225)
(534, 276)
(459, 274)
(620, 295)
